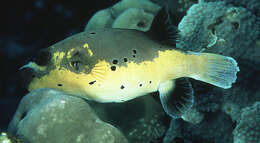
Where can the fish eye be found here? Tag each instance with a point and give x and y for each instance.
(76, 65)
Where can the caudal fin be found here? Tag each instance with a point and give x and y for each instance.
(217, 70)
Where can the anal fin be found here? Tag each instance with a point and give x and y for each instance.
(176, 96)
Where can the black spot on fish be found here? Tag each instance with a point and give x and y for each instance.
(150, 81)
(92, 33)
(92, 82)
(125, 59)
(140, 85)
(115, 61)
(134, 51)
(59, 84)
(122, 87)
(113, 68)
(134, 56)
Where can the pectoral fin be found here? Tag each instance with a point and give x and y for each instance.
(176, 96)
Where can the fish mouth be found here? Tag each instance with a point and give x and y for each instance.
(28, 72)
(33, 66)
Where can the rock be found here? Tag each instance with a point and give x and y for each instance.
(50, 116)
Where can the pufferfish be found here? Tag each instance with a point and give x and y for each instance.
(117, 65)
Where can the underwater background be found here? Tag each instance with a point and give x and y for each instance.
(227, 27)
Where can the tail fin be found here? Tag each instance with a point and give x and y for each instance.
(217, 70)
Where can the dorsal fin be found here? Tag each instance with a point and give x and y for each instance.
(162, 29)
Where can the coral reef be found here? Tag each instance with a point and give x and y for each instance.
(216, 127)
(248, 127)
(178, 8)
(174, 131)
(48, 115)
(141, 124)
(227, 29)
(193, 116)
(222, 29)
(130, 14)
(251, 5)
(232, 109)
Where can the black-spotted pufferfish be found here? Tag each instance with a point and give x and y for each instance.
(117, 65)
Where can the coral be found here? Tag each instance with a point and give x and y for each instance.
(140, 20)
(130, 14)
(193, 116)
(252, 5)
(220, 28)
(178, 8)
(232, 109)
(230, 30)
(248, 127)
(144, 121)
(146, 5)
(48, 115)
(174, 131)
(101, 19)
(215, 128)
